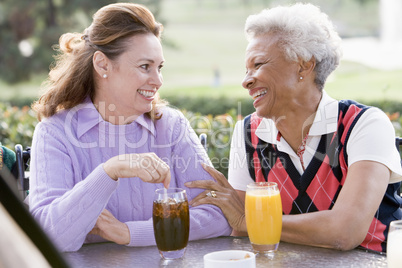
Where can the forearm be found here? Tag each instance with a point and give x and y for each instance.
(326, 229)
(68, 216)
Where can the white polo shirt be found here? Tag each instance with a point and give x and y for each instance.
(372, 138)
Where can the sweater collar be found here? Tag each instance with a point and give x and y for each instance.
(88, 117)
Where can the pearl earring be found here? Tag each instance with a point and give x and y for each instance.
(301, 77)
(104, 76)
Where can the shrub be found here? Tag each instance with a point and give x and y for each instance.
(213, 106)
(219, 131)
(16, 125)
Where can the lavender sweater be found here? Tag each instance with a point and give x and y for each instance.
(69, 188)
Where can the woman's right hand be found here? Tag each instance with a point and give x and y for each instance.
(226, 198)
(147, 166)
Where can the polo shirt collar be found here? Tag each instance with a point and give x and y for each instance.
(325, 121)
(88, 117)
(326, 118)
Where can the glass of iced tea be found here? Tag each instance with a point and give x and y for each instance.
(263, 216)
(171, 220)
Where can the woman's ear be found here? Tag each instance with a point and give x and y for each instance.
(101, 64)
(306, 67)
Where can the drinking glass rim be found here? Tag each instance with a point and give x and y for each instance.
(265, 184)
(173, 190)
(396, 223)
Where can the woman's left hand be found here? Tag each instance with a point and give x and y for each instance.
(221, 194)
(110, 228)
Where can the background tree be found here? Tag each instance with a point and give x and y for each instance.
(29, 30)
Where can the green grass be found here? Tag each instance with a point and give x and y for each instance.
(27, 89)
(354, 81)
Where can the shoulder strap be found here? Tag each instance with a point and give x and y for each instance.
(349, 110)
(249, 147)
(254, 146)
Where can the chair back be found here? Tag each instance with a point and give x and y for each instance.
(203, 140)
(398, 144)
(22, 164)
(16, 209)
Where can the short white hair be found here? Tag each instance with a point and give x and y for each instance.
(304, 32)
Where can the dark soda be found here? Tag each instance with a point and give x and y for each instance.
(171, 224)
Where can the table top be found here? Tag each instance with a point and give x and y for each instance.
(288, 255)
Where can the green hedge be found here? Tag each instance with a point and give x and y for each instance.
(16, 125)
(244, 106)
(387, 106)
(20, 101)
(220, 105)
(219, 131)
(214, 106)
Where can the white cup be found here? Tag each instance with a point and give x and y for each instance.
(230, 259)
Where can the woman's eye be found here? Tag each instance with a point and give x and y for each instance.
(258, 65)
(145, 67)
(160, 67)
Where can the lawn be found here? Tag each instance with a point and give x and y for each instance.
(355, 81)
(349, 81)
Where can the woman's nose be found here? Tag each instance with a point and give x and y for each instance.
(157, 79)
(248, 81)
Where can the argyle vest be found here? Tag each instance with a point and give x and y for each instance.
(319, 186)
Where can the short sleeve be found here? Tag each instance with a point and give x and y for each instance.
(373, 138)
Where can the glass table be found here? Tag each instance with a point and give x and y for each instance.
(288, 255)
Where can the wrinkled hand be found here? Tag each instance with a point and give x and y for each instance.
(147, 166)
(109, 228)
(226, 198)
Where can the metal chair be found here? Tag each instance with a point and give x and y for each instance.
(203, 140)
(22, 165)
(398, 144)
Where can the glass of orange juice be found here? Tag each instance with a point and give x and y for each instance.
(264, 216)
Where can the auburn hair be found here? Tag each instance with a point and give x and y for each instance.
(71, 76)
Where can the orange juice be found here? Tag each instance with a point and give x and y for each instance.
(264, 216)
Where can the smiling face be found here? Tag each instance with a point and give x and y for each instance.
(132, 79)
(271, 79)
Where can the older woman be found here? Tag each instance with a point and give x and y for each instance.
(335, 162)
(106, 142)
